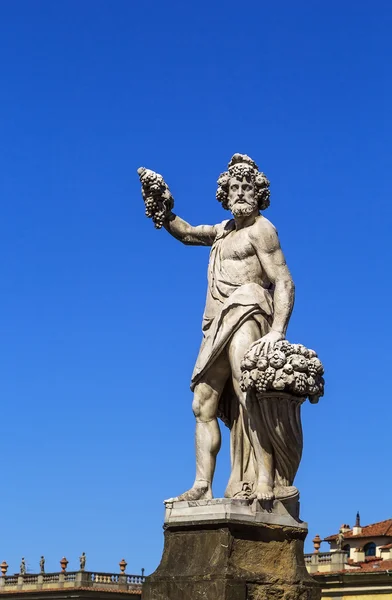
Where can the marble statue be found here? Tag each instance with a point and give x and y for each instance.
(42, 564)
(244, 353)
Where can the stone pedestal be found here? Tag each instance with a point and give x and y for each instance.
(229, 549)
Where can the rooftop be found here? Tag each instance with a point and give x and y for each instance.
(380, 529)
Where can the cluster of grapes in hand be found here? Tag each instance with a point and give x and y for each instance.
(156, 195)
(155, 211)
(290, 368)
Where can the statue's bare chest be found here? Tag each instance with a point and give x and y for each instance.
(237, 246)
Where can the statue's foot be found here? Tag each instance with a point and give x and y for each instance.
(200, 491)
(283, 492)
(263, 491)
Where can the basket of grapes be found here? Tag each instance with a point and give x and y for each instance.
(288, 368)
(156, 195)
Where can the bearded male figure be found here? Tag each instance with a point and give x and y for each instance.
(249, 301)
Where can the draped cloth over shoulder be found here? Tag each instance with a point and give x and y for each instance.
(228, 306)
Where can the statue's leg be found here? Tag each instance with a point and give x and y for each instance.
(248, 333)
(207, 437)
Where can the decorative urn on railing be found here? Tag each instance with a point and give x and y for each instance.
(63, 563)
(122, 565)
(316, 543)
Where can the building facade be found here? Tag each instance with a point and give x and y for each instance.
(358, 565)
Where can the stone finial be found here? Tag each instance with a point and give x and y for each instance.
(123, 565)
(316, 543)
(63, 563)
(358, 520)
(3, 568)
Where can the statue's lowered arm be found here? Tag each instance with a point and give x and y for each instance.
(266, 243)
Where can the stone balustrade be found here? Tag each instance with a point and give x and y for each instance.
(71, 579)
(323, 562)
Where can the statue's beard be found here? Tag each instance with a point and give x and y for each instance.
(242, 210)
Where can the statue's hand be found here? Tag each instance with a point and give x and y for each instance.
(265, 344)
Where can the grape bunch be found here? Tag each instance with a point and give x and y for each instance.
(284, 346)
(315, 367)
(156, 195)
(265, 379)
(300, 383)
(312, 370)
(155, 210)
(262, 383)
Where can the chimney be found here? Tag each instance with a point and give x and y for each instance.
(357, 529)
(386, 553)
(359, 555)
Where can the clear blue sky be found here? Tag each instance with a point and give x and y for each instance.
(101, 314)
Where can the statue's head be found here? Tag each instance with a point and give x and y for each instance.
(243, 189)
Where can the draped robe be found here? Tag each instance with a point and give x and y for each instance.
(229, 304)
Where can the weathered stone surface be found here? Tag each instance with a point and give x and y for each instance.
(234, 510)
(232, 561)
(289, 592)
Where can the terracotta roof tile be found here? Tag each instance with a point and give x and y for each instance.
(383, 528)
(379, 565)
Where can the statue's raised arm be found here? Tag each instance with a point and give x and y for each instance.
(159, 203)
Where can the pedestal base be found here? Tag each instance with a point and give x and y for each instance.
(232, 550)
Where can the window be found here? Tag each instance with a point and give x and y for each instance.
(370, 549)
(346, 548)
